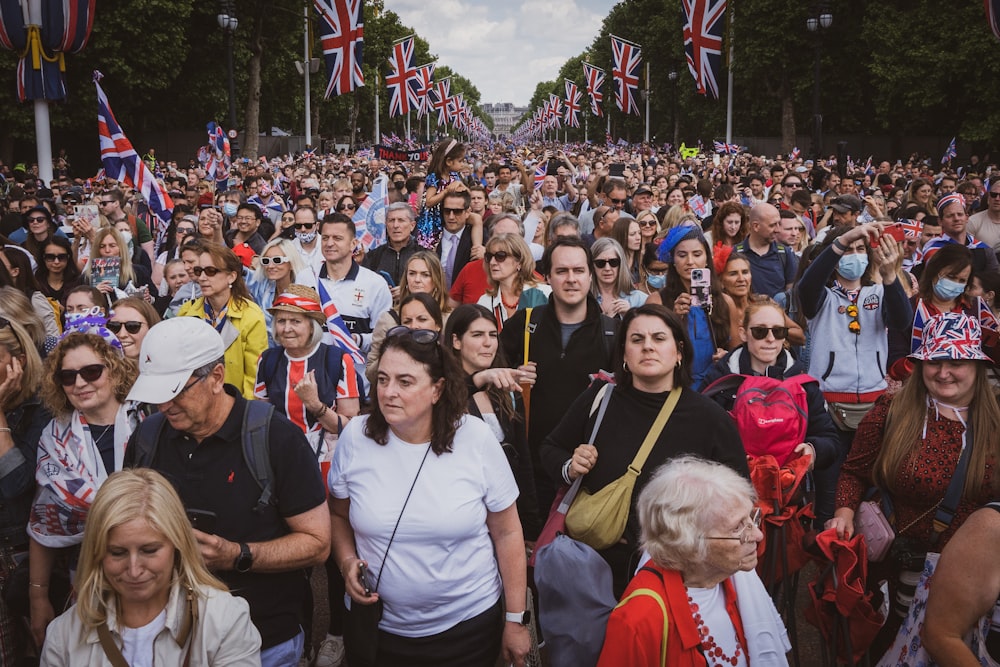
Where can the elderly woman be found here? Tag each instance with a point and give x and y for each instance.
(910, 445)
(144, 594)
(85, 383)
(416, 458)
(227, 305)
(612, 286)
(510, 270)
(652, 362)
(701, 530)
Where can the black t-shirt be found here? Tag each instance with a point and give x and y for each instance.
(104, 438)
(213, 476)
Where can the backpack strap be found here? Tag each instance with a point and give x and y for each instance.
(269, 364)
(528, 330)
(256, 449)
(610, 327)
(147, 437)
(650, 593)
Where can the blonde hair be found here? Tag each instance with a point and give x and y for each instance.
(515, 245)
(139, 493)
(18, 342)
(16, 307)
(433, 263)
(126, 272)
(293, 256)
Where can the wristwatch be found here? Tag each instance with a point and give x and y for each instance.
(244, 561)
(521, 618)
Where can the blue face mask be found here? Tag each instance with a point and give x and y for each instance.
(230, 209)
(852, 266)
(948, 289)
(656, 282)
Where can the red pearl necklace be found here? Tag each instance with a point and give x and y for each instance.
(713, 652)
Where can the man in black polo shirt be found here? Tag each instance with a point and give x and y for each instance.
(261, 553)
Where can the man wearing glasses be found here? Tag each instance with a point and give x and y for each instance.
(613, 194)
(456, 249)
(306, 239)
(112, 205)
(243, 238)
(985, 225)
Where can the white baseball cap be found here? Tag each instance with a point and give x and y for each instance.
(170, 352)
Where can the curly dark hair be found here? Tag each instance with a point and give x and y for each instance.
(446, 413)
(122, 372)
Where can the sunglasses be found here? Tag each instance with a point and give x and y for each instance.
(91, 373)
(616, 201)
(995, 195)
(187, 387)
(422, 336)
(346, 207)
(55, 257)
(185, 230)
(793, 185)
(304, 225)
(131, 326)
(500, 256)
(209, 271)
(38, 218)
(649, 222)
(274, 260)
(615, 262)
(452, 211)
(105, 203)
(854, 326)
(760, 333)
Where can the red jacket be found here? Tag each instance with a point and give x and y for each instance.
(635, 629)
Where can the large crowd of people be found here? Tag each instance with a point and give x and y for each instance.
(391, 369)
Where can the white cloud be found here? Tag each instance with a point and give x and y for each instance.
(505, 48)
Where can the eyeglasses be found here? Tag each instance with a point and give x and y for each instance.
(648, 222)
(274, 260)
(422, 336)
(91, 373)
(854, 326)
(746, 531)
(209, 271)
(617, 202)
(500, 256)
(615, 262)
(132, 326)
(106, 202)
(245, 218)
(346, 207)
(452, 211)
(187, 387)
(55, 257)
(760, 333)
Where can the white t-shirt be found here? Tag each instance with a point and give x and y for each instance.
(137, 643)
(441, 569)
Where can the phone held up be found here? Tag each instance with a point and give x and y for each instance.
(701, 284)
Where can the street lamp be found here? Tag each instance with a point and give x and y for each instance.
(821, 20)
(672, 75)
(229, 23)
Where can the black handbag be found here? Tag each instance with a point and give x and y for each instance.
(361, 621)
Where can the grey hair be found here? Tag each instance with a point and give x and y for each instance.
(559, 220)
(497, 217)
(685, 499)
(206, 370)
(401, 206)
(623, 285)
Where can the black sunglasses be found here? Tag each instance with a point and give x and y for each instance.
(131, 326)
(500, 256)
(38, 218)
(615, 262)
(304, 225)
(346, 207)
(616, 201)
(452, 211)
(209, 271)
(422, 336)
(185, 230)
(760, 333)
(273, 260)
(91, 373)
(55, 257)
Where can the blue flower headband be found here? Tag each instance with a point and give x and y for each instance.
(92, 322)
(677, 234)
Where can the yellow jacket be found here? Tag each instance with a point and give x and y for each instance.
(245, 337)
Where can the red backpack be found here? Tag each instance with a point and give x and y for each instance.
(771, 415)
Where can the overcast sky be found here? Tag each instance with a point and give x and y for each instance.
(505, 47)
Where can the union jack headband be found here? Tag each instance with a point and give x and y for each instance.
(306, 304)
(948, 200)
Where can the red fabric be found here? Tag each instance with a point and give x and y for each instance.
(720, 254)
(470, 284)
(779, 492)
(635, 630)
(922, 479)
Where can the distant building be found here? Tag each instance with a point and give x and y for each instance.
(504, 115)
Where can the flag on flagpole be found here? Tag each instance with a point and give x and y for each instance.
(625, 73)
(595, 87)
(572, 105)
(123, 164)
(403, 80)
(425, 82)
(951, 152)
(703, 22)
(218, 162)
(993, 16)
(341, 33)
(440, 95)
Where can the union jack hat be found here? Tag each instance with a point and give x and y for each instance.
(299, 299)
(951, 337)
(948, 200)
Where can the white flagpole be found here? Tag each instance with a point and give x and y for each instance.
(378, 132)
(729, 98)
(305, 70)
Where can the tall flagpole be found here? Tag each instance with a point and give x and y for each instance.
(646, 135)
(43, 132)
(408, 135)
(305, 69)
(729, 99)
(378, 132)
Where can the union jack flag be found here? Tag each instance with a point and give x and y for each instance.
(541, 172)
(794, 155)
(425, 82)
(403, 81)
(703, 42)
(911, 228)
(595, 85)
(339, 334)
(572, 108)
(341, 33)
(218, 160)
(722, 147)
(440, 94)
(951, 152)
(123, 164)
(993, 16)
(555, 111)
(625, 73)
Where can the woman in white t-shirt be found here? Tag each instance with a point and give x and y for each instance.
(423, 497)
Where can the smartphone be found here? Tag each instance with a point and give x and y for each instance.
(895, 231)
(701, 284)
(616, 170)
(363, 578)
(387, 278)
(87, 213)
(202, 520)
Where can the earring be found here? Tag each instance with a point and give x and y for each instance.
(678, 364)
(230, 285)
(625, 366)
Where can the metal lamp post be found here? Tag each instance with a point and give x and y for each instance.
(673, 111)
(229, 23)
(821, 20)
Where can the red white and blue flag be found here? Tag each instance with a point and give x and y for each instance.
(440, 94)
(339, 334)
(993, 16)
(571, 110)
(951, 152)
(911, 228)
(625, 73)
(425, 83)
(403, 81)
(722, 147)
(341, 34)
(218, 156)
(703, 21)
(595, 87)
(555, 111)
(123, 164)
(794, 155)
(541, 172)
